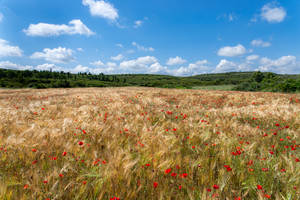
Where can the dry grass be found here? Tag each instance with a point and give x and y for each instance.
(131, 136)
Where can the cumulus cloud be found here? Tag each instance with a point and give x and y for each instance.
(48, 67)
(46, 30)
(198, 67)
(284, 65)
(176, 61)
(157, 68)
(80, 68)
(139, 65)
(226, 66)
(231, 51)
(10, 65)
(138, 23)
(120, 45)
(260, 43)
(117, 58)
(56, 55)
(101, 9)
(252, 57)
(273, 13)
(97, 63)
(8, 50)
(142, 48)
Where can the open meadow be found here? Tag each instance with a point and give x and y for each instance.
(148, 143)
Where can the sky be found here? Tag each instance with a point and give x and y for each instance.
(172, 37)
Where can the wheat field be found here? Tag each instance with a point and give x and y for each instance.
(148, 143)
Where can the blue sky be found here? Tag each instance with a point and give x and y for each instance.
(175, 37)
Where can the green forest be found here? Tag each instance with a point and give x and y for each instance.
(240, 81)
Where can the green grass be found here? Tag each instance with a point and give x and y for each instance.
(214, 87)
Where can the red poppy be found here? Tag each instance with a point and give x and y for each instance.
(64, 153)
(168, 170)
(183, 175)
(80, 143)
(267, 196)
(61, 175)
(174, 174)
(45, 181)
(155, 184)
(259, 187)
(26, 186)
(215, 187)
(33, 150)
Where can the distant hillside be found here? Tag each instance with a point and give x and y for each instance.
(245, 81)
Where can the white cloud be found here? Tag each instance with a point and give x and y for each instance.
(260, 43)
(226, 66)
(138, 65)
(80, 68)
(252, 57)
(117, 58)
(273, 13)
(283, 65)
(142, 48)
(138, 23)
(97, 63)
(56, 55)
(198, 67)
(80, 49)
(157, 68)
(10, 65)
(47, 67)
(119, 45)
(7, 50)
(46, 30)
(1, 17)
(232, 51)
(101, 9)
(176, 61)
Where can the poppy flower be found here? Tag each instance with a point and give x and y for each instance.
(80, 143)
(61, 175)
(259, 187)
(267, 196)
(168, 170)
(64, 153)
(26, 186)
(174, 174)
(215, 187)
(155, 184)
(184, 175)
